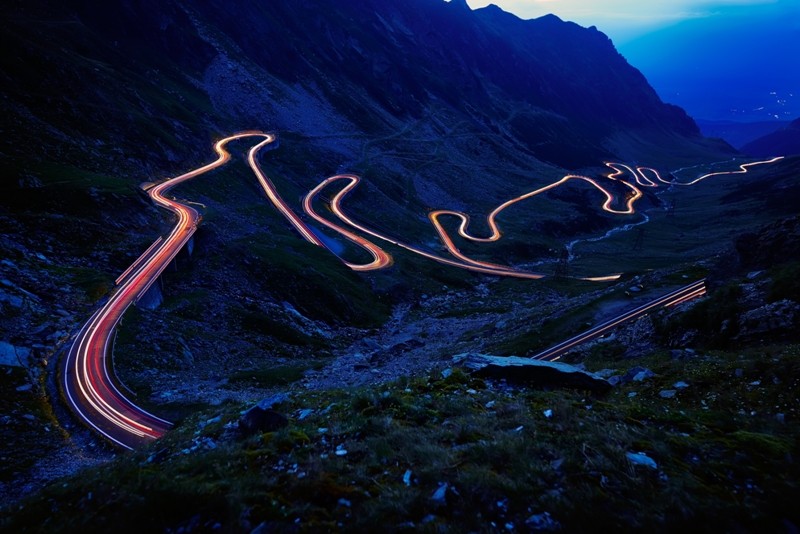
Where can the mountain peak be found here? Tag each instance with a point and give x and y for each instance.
(460, 4)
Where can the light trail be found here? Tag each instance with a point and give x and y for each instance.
(679, 296)
(86, 377)
(743, 169)
(141, 259)
(337, 210)
(381, 259)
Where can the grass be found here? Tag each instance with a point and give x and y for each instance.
(721, 456)
(785, 282)
(24, 415)
(274, 376)
(716, 318)
(64, 176)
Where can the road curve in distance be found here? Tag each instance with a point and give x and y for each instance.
(673, 298)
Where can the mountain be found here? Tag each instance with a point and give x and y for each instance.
(727, 63)
(558, 89)
(357, 417)
(785, 141)
(737, 133)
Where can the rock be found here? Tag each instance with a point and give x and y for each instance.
(258, 419)
(778, 317)
(25, 387)
(12, 301)
(529, 371)
(440, 495)
(640, 458)
(9, 355)
(637, 374)
(152, 298)
(770, 244)
(158, 456)
(542, 523)
(372, 344)
(685, 354)
(270, 402)
(202, 424)
(605, 373)
(667, 393)
(639, 377)
(680, 385)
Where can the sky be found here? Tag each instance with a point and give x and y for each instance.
(718, 59)
(624, 20)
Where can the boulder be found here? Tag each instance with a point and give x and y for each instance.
(640, 458)
(257, 420)
(152, 298)
(8, 355)
(272, 401)
(637, 374)
(530, 371)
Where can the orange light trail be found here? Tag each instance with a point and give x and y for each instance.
(87, 381)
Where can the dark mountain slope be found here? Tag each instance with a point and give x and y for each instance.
(739, 133)
(567, 86)
(783, 142)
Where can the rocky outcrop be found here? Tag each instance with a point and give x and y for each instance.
(769, 320)
(10, 355)
(528, 371)
(770, 245)
(152, 298)
(258, 419)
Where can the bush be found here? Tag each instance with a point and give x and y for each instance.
(785, 282)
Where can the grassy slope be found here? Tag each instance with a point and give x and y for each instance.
(724, 458)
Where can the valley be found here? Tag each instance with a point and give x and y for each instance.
(338, 320)
(88, 378)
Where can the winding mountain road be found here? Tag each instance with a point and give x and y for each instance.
(673, 298)
(87, 380)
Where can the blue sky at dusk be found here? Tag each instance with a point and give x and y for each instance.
(718, 59)
(623, 20)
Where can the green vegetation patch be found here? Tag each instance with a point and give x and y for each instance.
(311, 279)
(63, 176)
(785, 282)
(715, 318)
(275, 376)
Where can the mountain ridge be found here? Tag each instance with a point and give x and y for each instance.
(783, 141)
